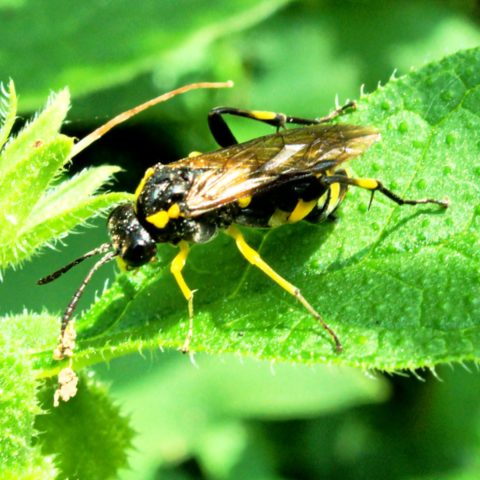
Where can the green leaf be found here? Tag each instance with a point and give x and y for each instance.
(399, 285)
(66, 432)
(24, 185)
(37, 209)
(8, 111)
(32, 434)
(18, 403)
(72, 191)
(42, 129)
(158, 36)
(227, 392)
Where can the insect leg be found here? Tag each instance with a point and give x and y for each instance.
(337, 112)
(221, 131)
(254, 258)
(176, 268)
(376, 186)
(225, 138)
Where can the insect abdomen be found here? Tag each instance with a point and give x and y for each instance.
(303, 199)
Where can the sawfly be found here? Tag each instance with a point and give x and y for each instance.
(291, 175)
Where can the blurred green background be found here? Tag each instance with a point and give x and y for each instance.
(228, 418)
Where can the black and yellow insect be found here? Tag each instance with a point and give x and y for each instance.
(289, 176)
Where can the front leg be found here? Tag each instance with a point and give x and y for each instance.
(176, 268)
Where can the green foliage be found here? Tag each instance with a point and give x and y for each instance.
(66, 432)
(398, 284)
(18, 403)
(156, 34)
(220, 437)
(38, 208)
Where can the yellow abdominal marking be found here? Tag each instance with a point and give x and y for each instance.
(159, 219)
(150, 171)
(278, 218)
(244, 202)
(301, 210)
(194, 154)
(334, 193)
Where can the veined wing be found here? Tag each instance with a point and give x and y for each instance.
(252, 167)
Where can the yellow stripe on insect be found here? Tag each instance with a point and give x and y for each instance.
(176, 268)
(367, 183)
(195, 153)
(322, 199)
(244, 202)
(174, 211)
(278, 218)
(334, 197)
(263, 115)
(159, 219)
(150, 171)
(301, 210)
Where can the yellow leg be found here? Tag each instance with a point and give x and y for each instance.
(376, 186)
(254, 258)
(176, 268)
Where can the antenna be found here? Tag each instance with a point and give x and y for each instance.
(58, 273)
(122, 117)
(67, 338)
(66, 344)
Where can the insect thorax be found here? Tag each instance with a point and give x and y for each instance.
(160, 213)
(161, 207)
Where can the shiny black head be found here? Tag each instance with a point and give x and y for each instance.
(130, 240)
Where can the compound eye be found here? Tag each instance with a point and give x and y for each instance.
(138, 254)
(130, 240)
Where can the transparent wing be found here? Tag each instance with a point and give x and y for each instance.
(252, 167)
